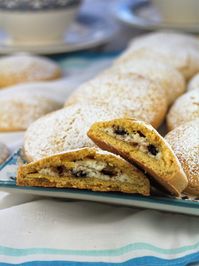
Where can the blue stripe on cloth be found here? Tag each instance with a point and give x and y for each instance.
(21, 252)
(142, 261)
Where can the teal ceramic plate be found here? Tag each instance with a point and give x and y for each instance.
(8, 183)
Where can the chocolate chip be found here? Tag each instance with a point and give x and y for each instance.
(141, 134)
(60, 170)
(184, 197)
(79, 173)
(152, 149)
(108, 170)
(119, 130)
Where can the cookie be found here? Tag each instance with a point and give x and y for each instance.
(21, 68)
(85, 168)
(19, 109)
(185, 109)
(193, 83)
(170, 79)
(135, 95)
(140, 143)
(4, 153)
(64, 129)
(184, 141)
(177, 49)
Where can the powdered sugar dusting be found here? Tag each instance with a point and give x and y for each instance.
(65, 129)
(194, 83)
(185, 109)
(162, 46)
(27, 68)
(133, 94)
(3, 152)
(185, 142)
(167, 76)
(19, 109)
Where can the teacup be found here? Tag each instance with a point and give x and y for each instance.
(38, 26)
(178, 11)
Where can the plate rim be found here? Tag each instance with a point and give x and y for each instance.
(62, 46)
(125, 13)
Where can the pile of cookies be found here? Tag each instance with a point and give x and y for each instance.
(120, 111)
(19, 108)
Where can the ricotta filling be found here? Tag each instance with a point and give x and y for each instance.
(136, 139)
(88, 168)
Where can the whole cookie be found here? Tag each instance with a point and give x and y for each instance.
(64, 129)
(185, 109)
(193, 83)
(137, 96)
(17, 69)
(19, 109)
(179, 50)
(184, 141)
(4, 153)
(170, 79)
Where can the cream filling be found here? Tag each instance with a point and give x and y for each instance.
(138, 142)
(89, 168)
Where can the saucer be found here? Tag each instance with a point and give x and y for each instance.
(143, 15)
(88, 31)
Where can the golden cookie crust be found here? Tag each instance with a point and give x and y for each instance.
(184, 141)
(86, 168)
(140, 143)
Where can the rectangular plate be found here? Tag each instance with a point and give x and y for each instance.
(8, 183)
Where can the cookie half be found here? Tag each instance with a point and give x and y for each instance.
(184, 141)
(140, 143)
(86, 168)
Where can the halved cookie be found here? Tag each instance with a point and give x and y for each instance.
(86, 168)
(138, 142)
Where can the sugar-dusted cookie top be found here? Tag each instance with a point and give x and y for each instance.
(178, 49)
(169, 78)
(185, 109)
(136, 95)
(184, 141)
(21, 68)
(65, 129)
(4, 153)
(18, 109)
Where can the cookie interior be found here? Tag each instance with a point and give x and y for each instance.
(139, 143)
(90, 170)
